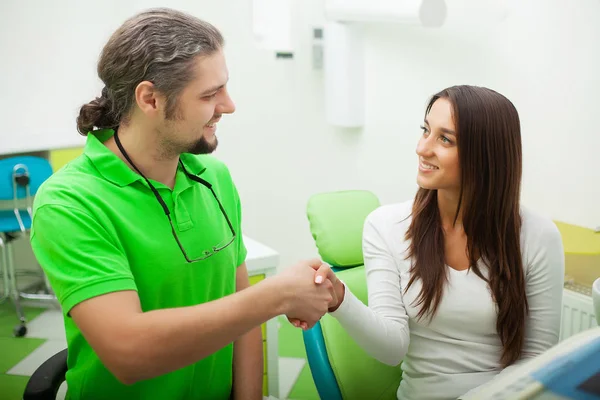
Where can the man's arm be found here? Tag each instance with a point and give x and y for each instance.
(247, 354)
(136, 345)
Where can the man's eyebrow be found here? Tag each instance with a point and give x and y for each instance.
(445, 130)
(212, 89)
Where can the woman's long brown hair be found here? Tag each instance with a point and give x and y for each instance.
(489, 152)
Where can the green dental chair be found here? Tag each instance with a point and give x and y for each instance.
(339, 367)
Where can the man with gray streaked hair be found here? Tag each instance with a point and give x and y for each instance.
(141, 236)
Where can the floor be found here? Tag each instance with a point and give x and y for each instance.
(19, 357)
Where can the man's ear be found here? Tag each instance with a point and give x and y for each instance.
(148, 100)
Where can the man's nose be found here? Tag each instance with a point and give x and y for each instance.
(227, 106)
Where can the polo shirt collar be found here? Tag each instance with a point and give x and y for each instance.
(113, 169)
(192, 163)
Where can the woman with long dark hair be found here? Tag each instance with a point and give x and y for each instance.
(463, 281)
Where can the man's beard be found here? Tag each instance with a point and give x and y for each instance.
(203, 146)
(173, 148)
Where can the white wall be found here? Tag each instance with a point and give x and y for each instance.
(545, 57)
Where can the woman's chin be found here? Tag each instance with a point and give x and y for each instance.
(425, 184)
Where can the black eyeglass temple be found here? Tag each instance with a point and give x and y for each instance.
(156, 194)
(208, 185)
(178, 242)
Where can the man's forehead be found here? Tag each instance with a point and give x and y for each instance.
(211, 70)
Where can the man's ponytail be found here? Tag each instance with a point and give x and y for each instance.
(97, 113)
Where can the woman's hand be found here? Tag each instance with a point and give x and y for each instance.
(325, 275)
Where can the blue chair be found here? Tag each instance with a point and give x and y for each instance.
(20, 178)
(339, 367)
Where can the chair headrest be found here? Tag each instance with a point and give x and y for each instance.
(336, 223)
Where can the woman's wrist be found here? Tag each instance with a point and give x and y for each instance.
(340, 291)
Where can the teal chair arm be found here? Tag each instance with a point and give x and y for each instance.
(340, 368)
(320, 368)
(318, 361)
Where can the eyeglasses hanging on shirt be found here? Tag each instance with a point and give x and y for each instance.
(206, 253)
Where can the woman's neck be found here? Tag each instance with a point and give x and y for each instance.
(448, 205)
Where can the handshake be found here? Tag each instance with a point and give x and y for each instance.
(310, 289)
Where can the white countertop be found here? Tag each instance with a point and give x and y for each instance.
(260, 257)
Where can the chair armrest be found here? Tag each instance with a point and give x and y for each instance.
(318, 361)
(47, 378)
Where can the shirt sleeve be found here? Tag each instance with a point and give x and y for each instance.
(381, 328)
(545, 282)
(81, 259)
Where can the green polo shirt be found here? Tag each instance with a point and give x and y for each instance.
(98, 228)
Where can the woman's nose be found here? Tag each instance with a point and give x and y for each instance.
(424, 148)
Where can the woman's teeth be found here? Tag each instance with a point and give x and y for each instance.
(428, 166)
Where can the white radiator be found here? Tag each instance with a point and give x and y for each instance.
(578, 310)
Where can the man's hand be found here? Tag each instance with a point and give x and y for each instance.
(306, 300)
(325, 276)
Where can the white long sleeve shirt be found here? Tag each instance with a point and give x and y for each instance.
(459, 349)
